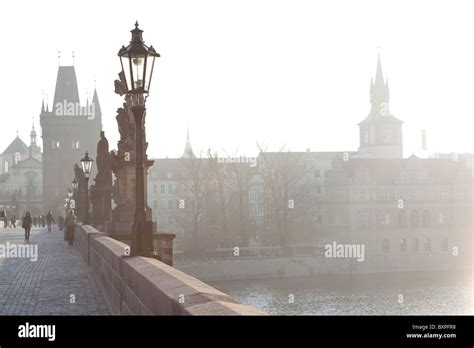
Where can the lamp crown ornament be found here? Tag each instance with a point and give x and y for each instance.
(138, 61)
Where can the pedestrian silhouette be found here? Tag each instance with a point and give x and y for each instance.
(70, 223)
(27, 221)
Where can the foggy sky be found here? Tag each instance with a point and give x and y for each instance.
(238, 72)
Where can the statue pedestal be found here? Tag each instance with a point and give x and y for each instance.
(165, 247)
(121, 226)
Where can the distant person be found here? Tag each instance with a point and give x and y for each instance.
(70, 223)
(49, 220)
(43, 221)
(5, 221)
(61, 222)
(27, 221)
(13, 221)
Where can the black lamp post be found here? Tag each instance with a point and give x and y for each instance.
(87, 167)
(137, 61)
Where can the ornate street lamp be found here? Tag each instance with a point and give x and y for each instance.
(87, 167)
(137, 61)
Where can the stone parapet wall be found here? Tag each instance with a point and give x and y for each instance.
(144, 286)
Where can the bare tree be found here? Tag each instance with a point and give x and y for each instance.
(240, 174)
(196, 185)
(219, 178)
(282, 172)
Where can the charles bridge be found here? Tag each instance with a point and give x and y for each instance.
(95, 277)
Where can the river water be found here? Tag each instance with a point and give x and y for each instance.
(382, 294)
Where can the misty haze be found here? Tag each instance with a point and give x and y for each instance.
(248, 158)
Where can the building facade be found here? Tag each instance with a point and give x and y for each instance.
(21, 178)
(68, 131)
(409, 213)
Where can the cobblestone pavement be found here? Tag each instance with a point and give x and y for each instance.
(58, 283)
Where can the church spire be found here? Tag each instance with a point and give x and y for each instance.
(188, 150)
(380, 132)
(379, 73)
(379, 92)
(95, 102)
(33, 133)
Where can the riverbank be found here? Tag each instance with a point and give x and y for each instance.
(241, 268)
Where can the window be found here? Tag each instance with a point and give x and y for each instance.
(17, 157)
(75, 144)
(155, 188)
(387, 137)
(170, 188)
(170, 220)
(55, 144)
(414, 218)
(427, 245)
(444, 244)
(442, 218)
(170, 204)
(253, 195)
(260, 208)
(366, 137)
(385, 246)
(385, 219)
(403, 245)
(162, 188)
(155, 204)
(362, 195)
(252, 207)
(5, 167)
(317, 173)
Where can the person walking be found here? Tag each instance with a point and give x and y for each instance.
(27, 221)
(70, 223)
(13, 221)
(49, 220)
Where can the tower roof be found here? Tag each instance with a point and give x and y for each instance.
(33, 131)
(66, 86)
(188, 150)
(95, 101)
(379, 98)
(17, 145)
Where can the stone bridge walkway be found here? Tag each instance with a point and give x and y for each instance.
(58, 283)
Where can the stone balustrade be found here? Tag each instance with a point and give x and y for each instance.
(145, 286)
